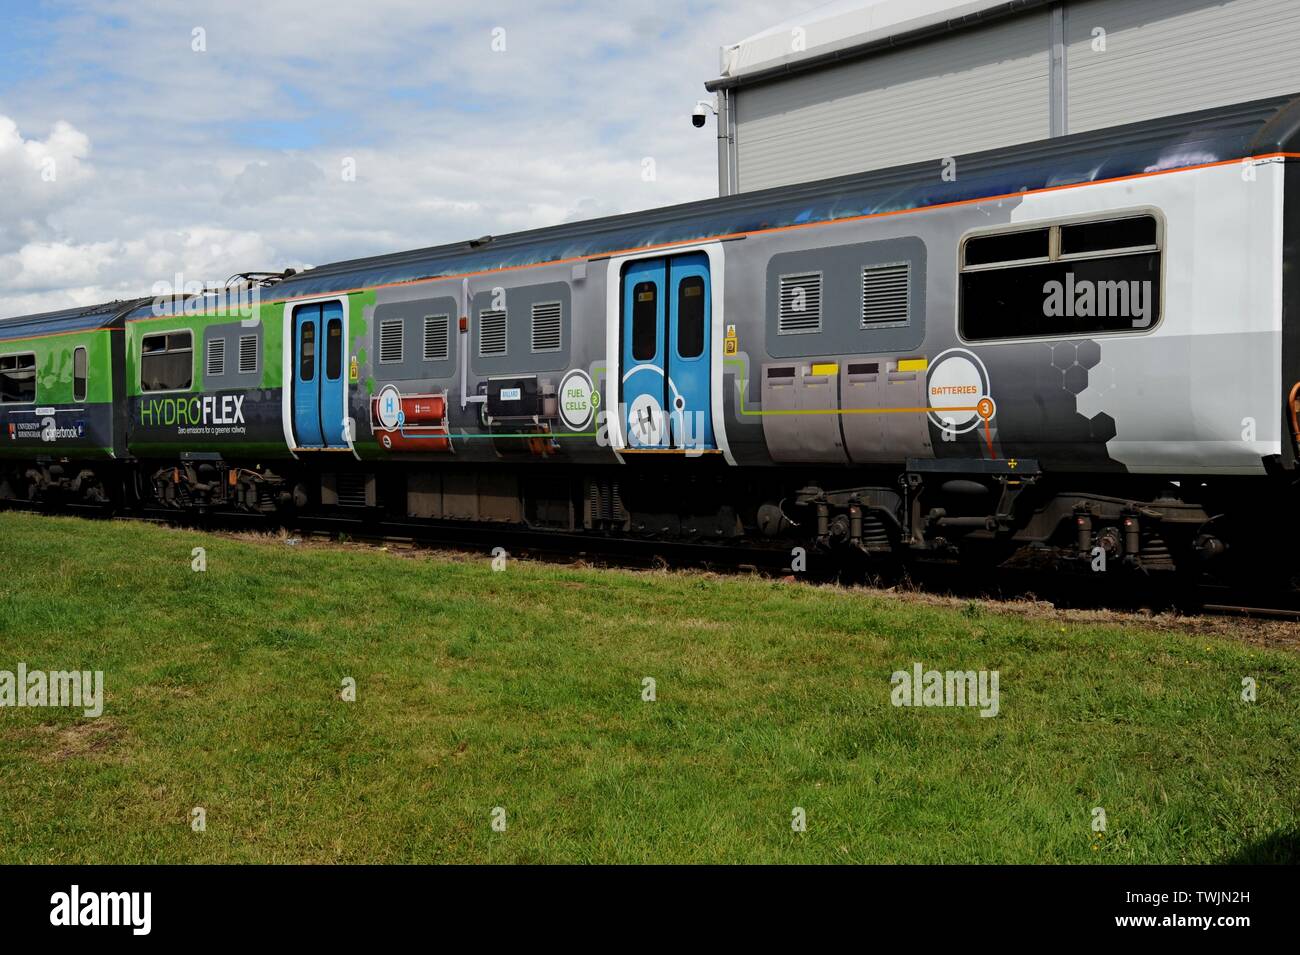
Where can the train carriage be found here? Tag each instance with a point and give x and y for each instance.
(1086, 344)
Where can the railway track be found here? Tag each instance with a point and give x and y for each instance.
(936, 577)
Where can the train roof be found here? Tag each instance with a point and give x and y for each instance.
(77, 319)
(1223, 134)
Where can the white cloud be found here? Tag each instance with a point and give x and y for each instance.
(230, 160)
(38, 177)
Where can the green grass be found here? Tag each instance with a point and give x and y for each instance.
(522, 689)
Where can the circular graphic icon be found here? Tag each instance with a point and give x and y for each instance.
(957, 389)
(389, 407)
(645, 422)
(577, 399)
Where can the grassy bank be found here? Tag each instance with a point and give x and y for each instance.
(523, 689)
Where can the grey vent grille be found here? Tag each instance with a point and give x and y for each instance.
(436, 329)
(492, 333)
(799, 309)
(216, 363)
(390, 342)
(546, 326)
(886, 293)
(247, 354)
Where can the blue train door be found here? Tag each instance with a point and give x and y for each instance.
(644, 354)
(333, 406)
(690, 420)
(666, 324)
(318, 390)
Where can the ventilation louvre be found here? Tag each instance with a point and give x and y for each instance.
(216, 362)
(799, 309)
(546, 326)
(436, 331)
(247, 354)
(886, 294)
(492, 333)
(352, 490)
(390, 342)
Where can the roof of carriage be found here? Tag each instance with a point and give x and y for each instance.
(76, 319)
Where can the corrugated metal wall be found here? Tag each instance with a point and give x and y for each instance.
(991, 86)
(972, 90)
(1173, 56)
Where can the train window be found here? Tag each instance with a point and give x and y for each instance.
(307, 352)
(247, 354)
(1027, 246)
(390, 341)
(1096, 276)
(17, 378)
(690, 317)
(215, 366)
(492, 332)
(547, 326)
(645, 321)
(79, 370)
(334, 349)
(799, 304)
(436, 337)
(1114, 236)
(167, 361)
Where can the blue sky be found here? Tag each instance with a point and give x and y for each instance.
(459, 119)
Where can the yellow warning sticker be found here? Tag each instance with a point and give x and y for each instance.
(826, 368)
(913, 364)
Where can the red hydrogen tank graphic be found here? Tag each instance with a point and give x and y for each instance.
(410, 422)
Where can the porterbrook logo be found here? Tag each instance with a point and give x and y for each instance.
(78, 689)
(103, 908)
(193, 410)
(923, 687)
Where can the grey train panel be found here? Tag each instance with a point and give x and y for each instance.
(230, 333)
(873, 383)
(800, 437)
(411, 314)
(519, 300)
(840, 267)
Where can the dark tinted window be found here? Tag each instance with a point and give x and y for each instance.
(166, 361)
(307, 352)
(645, 321)
(1136, 233)
(18, 377)
(79, 374)
(690, 317)
(334, 349)
(1011, 247)
(1062, 299)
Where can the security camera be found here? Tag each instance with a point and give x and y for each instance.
(701, 113)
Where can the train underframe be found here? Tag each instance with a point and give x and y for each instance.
(987, 513)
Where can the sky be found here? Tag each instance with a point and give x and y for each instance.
(141, 140)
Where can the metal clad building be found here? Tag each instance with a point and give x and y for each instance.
(862, 85)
